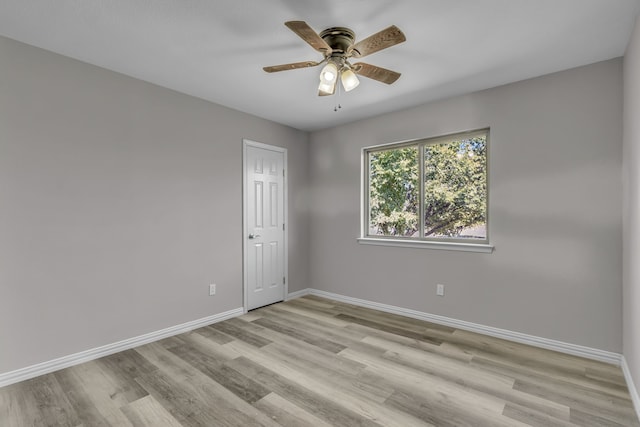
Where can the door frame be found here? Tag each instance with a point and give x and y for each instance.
(245, 228)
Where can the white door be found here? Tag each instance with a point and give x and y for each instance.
(264, 224)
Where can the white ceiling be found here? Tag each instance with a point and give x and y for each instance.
(215, 49)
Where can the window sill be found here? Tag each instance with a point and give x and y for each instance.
(422, 244)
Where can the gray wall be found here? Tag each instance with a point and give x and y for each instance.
(120, 201)
(631, 169)
(555, 211)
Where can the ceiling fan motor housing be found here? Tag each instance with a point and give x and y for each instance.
(340, 39)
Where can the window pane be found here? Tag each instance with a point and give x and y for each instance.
(393, 192)
(455, 189)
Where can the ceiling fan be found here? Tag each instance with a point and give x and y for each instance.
(337, 46)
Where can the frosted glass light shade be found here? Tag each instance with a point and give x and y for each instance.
(328, 79)
(328, 88)
(349, 80)
(329, 73)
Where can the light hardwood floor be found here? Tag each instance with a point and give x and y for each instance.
(317, 362)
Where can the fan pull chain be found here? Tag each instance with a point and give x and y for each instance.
(338, 106)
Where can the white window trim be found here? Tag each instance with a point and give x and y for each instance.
(366, 239)
(427, 244)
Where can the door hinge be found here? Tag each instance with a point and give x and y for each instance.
(283, 280)
(282, 227)
(282, 172)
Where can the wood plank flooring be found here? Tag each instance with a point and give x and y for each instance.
(317, 362)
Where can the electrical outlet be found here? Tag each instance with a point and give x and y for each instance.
(440, 290)
(212, 289)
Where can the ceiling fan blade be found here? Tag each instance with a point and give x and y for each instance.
(292, 66)
(306, 33)
(386, 38)
(376, 73)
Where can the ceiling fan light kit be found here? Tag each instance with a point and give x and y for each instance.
(349, 80)
(337, 46)
(328, 79)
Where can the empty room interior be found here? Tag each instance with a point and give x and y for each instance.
(245, 213)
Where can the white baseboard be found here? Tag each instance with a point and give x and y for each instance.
(105, 350)
(573, 349)
(633, 391)
(297, 294)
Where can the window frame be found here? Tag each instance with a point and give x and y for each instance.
(459, 244)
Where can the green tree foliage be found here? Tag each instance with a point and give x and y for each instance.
(393, 197)
(455, 189)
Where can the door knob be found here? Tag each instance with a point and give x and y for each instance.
(253, 236)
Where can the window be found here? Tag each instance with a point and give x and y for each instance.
(427, 191)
